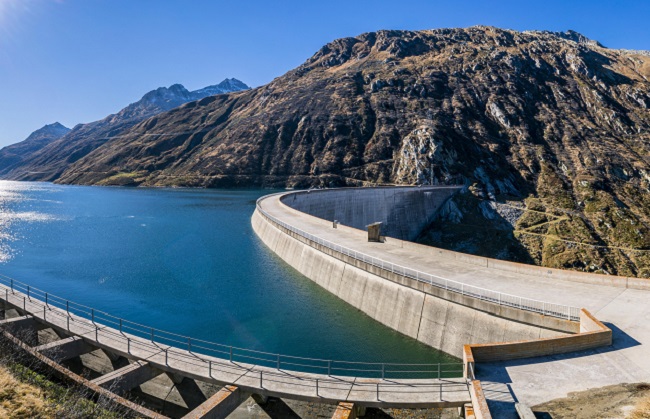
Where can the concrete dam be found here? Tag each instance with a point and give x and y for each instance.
(403, 211)
(494, 314)
(436, 317)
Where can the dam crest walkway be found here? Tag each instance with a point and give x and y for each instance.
(624, 310)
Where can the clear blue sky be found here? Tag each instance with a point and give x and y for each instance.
(76, 61)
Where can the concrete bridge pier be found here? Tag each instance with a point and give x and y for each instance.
(65, 349)
(127, 378)
(220, 405)
(23, 326)
(345, 410)
(189, 391)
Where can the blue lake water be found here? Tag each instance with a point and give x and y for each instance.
(186, 261)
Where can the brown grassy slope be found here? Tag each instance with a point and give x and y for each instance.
(20, 400)
(553, 123)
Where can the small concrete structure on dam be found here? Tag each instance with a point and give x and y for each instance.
(486, 311)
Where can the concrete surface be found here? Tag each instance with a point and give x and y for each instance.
(250, 378)
(358, 207)
(220, 405)
(626, 311)
(434, 321)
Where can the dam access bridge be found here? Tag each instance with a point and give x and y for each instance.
(488, 312)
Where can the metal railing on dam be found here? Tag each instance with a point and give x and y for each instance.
(27, 297)
(502, 299)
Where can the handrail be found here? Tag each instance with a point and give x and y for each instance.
(502, 299)
(230, 353)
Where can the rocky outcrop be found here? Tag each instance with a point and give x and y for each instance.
(550, 132)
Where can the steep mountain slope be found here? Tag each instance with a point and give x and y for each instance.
(13, 155)
(549, 131)
(50, 161)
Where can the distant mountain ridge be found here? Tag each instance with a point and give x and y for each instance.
(15, 154)
(166, 98)
(46, 160)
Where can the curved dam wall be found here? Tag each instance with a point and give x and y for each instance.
(441, 319)
(403, 211)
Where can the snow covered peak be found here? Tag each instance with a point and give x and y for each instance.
(226, 86)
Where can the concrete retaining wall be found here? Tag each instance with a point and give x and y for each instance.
(479, 403)
(404, 211)
(441, 319)
(593, 334)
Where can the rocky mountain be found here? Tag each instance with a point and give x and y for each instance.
(15, 154)
(549, 133)
(48, 162)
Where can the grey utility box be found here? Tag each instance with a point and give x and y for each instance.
(374, 232)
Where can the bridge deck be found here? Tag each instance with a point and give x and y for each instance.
(251, 378)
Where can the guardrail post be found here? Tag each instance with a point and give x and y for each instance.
(28, 292)
(278, 361)
(210, 368)
(12, 285)
(261, 379)
(67, 307)
(120, 325)
(68, 322)
(231, 354)
(317, 388)
(377, 391)
(329, 368)
(439, 371)
(383, 371)
(152, 335)
(128, 345)
(167, 356)
(96, 333)
(46, 302)
(24, 304)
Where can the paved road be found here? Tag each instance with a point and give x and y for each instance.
(626, 311)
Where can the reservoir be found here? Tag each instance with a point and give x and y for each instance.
(186, 261)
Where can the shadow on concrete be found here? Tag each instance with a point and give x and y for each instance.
(621, 340)
(502, 409)
(374, 413)
(496, 371)
(497, 382)
(190, 393)
(278, 409)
